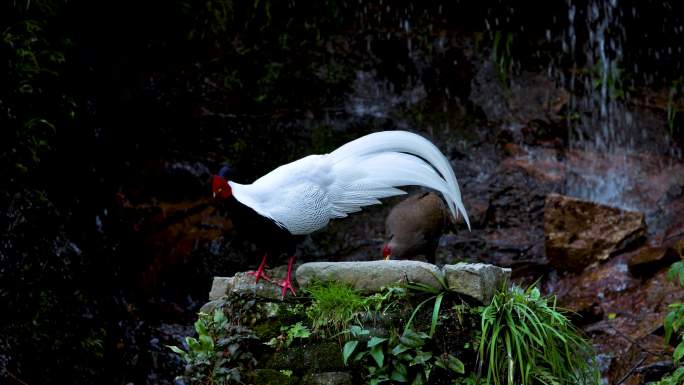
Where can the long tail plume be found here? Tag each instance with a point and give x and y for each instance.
(400, 158)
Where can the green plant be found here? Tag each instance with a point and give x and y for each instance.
(502, 56)
(335, 306)
(289, 333)
(401, 359)
(674, 321)
(675, 93)
(436, 294)
(526, 339)
(221, 352)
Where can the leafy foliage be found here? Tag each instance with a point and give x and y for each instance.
(221, 354)
(289, 334)
(526, 340)
(398, 360)
(434, 294)
(674, 321)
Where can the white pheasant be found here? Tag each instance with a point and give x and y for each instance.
(303, 196)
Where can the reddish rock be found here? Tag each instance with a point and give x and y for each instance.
(579, 233)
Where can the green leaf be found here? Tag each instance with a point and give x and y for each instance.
(679, 352)
(348, 350)
(192, 343)
(206, 342)
(400, 373)
(199, 327)
(378, 355)
(219, 318)
(375, 341)
(419, 380)
(397, 350)
(435, 313)
(412, 339)
(177, 350)
(455, 364)
(421, 358)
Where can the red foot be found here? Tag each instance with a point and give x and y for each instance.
(287, 282)
(259, 273)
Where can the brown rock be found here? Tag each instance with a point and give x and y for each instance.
(579, 233)
(647, 260)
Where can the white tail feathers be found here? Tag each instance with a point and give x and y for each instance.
(401, 158)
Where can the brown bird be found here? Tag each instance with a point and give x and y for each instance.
(414, 226)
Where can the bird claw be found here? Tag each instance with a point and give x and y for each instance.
(259, 273)
(286, 284)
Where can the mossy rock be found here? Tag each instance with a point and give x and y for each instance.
(273, 377)
(327, 378)
(314, 357)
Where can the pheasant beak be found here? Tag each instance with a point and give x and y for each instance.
(387, 252)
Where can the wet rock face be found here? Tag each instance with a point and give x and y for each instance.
(579, 233)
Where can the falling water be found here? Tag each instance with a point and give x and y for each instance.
(607, 138)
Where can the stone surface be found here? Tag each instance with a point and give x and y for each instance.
(369, 277)
(648, 260)
(328, 378)
(244, 283)
(478, 280)
(579, 233)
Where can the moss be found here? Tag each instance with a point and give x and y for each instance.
(273, 377)
(312, 357)
(267, 329)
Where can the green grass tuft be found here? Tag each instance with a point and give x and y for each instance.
(526, 339)
(334, 306)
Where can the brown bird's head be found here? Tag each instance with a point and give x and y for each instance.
(414, 226)
(219, 184)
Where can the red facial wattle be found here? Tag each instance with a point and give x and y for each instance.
(386, 251)
(220, 187)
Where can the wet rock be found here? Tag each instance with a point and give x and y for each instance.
(369, 277)
(648, 260)
(478, 280)
(579, 233)
(640, 361)
(529, 96)
(328, 378)
(586, 294)
(244, 283)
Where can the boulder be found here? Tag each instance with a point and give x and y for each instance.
(244, 283)
(648, 260)
(477, 280)
(369, 277)
(579, 233)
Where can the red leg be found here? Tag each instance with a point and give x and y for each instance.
(259, 273)
(287, 282)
